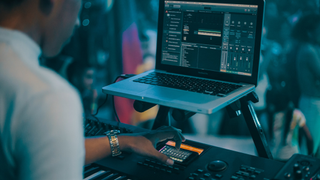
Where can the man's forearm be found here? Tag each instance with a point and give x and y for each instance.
(99, 147)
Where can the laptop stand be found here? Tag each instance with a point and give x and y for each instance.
(244, 106)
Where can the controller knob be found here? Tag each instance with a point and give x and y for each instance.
(298, 175)
(217, 166)
(296, 167)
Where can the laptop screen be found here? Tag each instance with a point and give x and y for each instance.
(216, 37)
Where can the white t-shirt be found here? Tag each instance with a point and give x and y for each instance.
(41, 130)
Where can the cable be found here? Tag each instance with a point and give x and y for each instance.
(107, 95)
(101, 105)
(114, 110)
(123, 76)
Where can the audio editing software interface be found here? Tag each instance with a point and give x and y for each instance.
(209, 36)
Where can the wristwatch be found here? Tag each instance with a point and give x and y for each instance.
(114, 143)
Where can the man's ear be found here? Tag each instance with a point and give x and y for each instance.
(46, 6)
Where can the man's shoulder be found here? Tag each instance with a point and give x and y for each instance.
(17, 77)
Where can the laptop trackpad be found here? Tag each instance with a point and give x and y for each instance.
(173, 95)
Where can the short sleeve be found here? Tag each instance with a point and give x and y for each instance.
(49, 142)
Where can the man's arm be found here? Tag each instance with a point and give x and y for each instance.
(141, 143)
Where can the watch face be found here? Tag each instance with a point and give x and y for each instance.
(115, 131)
(112, 132)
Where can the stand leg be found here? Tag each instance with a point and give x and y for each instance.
(162, 118)
(255, 128)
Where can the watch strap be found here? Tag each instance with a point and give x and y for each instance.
(114, 142)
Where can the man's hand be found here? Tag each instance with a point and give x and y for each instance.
(145, 143)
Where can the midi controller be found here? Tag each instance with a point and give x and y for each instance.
(194, 161)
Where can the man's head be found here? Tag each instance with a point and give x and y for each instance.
(49, 22)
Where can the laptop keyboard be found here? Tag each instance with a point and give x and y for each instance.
(188, 83)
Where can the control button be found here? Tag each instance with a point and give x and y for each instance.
(234, 177)
(140, 163)
(202, 179)
(298, 174)
(121, 178)
(307, 168)
(257, 172)
(217, 166)
(296, 167)
(191, 178)
(287, 175)
(157, 168)
(252, 177)
(218, 176)
(194, 174)
(171, 167)
(207, 175)
(318, 176)
(148, 160)
(176, 169)
(151, 166)
(251, 170)
(243, 169)
(239, 173)
(200, 170)
(169, 171)
(245, 174)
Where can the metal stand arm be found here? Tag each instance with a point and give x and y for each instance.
(162, 118)
(254, 126)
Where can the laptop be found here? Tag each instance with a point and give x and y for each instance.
(207, 55)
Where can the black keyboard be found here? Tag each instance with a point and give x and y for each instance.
(96, 172)
(204, 86)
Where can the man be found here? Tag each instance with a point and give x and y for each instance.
(41, 134)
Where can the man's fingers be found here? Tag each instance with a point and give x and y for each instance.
(170, 132)
(178, 141)
(173, 130)
(162, 158)
(177, 137)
